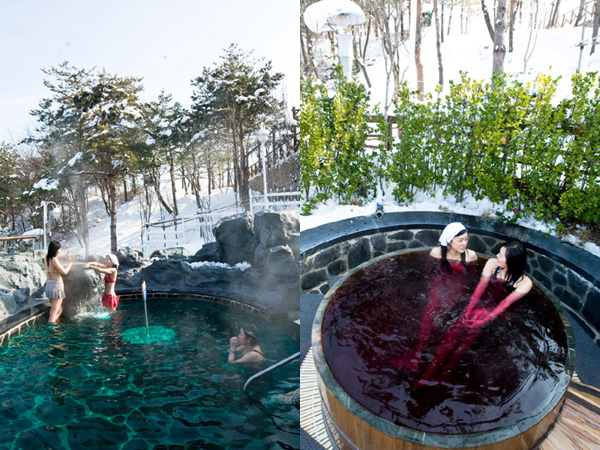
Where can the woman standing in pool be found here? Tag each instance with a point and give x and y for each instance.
(246, 345)
(109, 269)
(507, 272)
(454, 257)
(55, 288)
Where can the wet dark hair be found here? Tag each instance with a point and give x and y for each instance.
(444, 250)
(251, 332)
(516, 260)
(53, 249)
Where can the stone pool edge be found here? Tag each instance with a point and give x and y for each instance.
(16, 323)
(332, 249)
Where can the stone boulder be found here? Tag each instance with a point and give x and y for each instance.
(83, 290)
(275, 229)
(166, 274)
(173, 253)
(236, 239)
(22, 279)
(210, 252)
(130, 258)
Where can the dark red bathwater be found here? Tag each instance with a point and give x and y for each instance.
(375, 316)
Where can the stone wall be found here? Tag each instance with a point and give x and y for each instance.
(22, 278)
(577, 289)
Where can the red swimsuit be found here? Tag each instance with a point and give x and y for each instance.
(109, 301)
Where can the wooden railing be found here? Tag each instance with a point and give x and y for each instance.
(7, 240)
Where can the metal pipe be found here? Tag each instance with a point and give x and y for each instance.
(270, 368)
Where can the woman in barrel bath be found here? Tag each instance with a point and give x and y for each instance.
(506, 272)
(109, 269)
(55, 288)
(455, 261)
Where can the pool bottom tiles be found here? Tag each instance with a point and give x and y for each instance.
(82, 385)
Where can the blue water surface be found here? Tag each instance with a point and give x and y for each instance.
(80, 384)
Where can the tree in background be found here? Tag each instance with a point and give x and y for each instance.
(499, 47)
(239, 93)
(88, 129)
(11, 185)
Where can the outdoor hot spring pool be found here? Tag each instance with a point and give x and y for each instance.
(82, 385)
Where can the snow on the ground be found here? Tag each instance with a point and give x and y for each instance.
(331, 211)
(553, 52)
(130, 223)
(243, 266)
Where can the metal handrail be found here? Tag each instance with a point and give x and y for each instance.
(270, 368)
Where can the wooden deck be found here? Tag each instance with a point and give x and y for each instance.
(578, 427)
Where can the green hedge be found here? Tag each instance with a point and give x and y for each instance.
(333, 131)
(505, 140)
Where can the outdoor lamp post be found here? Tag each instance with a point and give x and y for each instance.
(335, 15)
(262, 136)
(55, 214)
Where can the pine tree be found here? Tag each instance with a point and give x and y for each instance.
(89, 124)
(238, 94)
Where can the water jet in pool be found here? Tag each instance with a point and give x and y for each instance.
(80, 384)
(505, 391)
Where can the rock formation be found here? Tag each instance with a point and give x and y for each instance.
(254, 259)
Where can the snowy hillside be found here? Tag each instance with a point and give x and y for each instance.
(129, 222)
(555, 52)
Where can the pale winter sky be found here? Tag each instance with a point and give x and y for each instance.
(166, 42)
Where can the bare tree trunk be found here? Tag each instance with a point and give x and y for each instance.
(173, 185)
(499, 48)
(359, 55)
(387, 18)
(488, 22)
(84, 214)
(307, 54)
(580, 12)
(112, 201)
(511, 25)
(596, 26)
(450, 17)
(156, 186)
(244, 187)
(438, 44)
(554, 15)
(418, 63)
(442, 21)
(532, 25)
(462, 15)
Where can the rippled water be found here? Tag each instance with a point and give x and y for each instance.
(81, 385)
(375, 316)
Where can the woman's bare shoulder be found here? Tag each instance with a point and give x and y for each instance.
(489, 267)
(436, 252)
(470, 256)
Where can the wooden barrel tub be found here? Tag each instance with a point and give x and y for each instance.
(506, 391)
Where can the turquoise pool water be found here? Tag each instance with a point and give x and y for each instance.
(81, 385)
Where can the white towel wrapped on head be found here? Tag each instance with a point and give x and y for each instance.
(450, 232)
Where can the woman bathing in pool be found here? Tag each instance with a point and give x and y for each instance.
(246, 345)
(454, 257)
(109, 269)
(507, 271)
